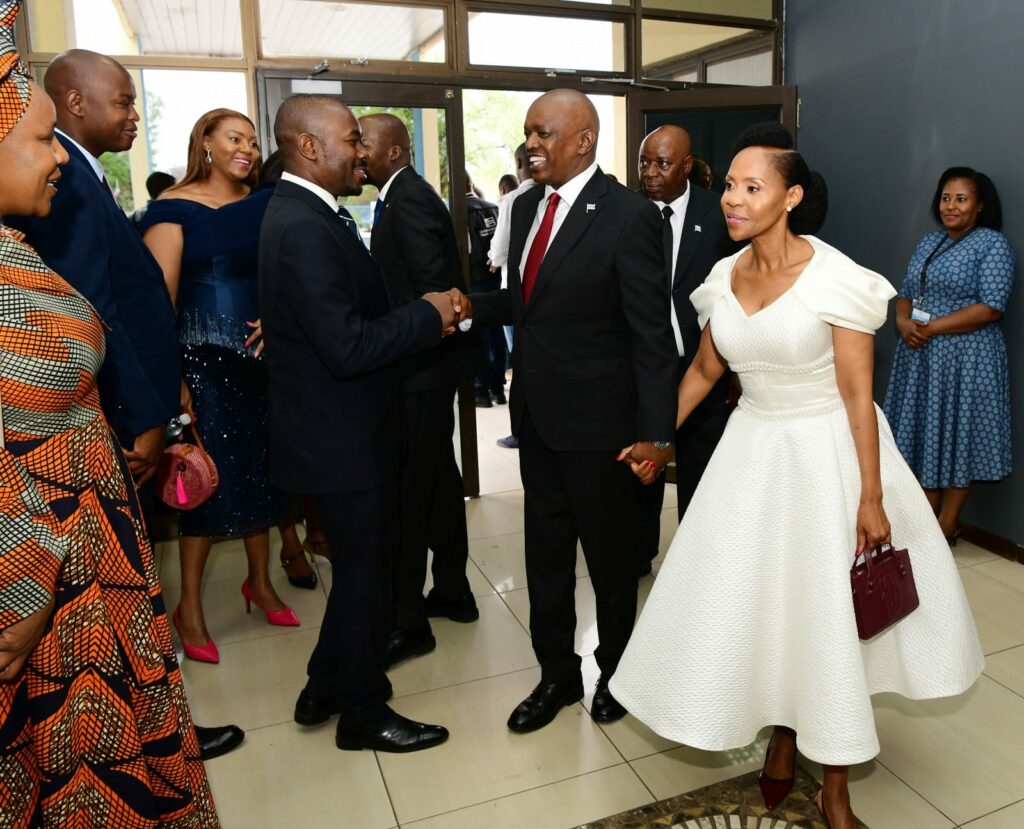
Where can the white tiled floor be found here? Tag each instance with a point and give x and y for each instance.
(943, 764)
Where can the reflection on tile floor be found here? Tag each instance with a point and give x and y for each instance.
(944, 764)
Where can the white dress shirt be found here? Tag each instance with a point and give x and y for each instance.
(569, 192)
(93, 161)
(498, 253)
(328, 199)
(676, 220)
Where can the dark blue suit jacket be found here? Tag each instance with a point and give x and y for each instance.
(333, 346)
(89, 241)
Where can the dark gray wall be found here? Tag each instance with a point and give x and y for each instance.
(893, 92)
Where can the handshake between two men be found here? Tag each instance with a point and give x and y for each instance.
(453, 306)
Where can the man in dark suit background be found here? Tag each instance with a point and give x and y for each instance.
(92, 244)
(413, 239)
(332, 345)
(481, 221)
(593, 371)
(694, 238)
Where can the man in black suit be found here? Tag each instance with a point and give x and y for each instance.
(414, 241)
(92, 244)
(593, 371)
(694, 238)
(332, 342)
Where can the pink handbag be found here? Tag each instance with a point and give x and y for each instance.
(187, 475)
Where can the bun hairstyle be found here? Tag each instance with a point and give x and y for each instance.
(808, 216)
(991, 214)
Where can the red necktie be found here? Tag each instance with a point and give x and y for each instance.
(539, 247)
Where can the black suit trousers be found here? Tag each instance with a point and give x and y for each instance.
(695, 444)
(433, 509)
(570, 496)
(347, 664)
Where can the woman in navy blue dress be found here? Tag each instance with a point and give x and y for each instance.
(205, 234)
(948, 400)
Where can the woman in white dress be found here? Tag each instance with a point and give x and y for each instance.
(750, 622)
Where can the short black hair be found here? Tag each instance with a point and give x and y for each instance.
(157, 182)
(808, 216)
(508, 180)
(271, 168)
(992, 213)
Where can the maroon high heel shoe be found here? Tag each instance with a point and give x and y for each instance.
(773, 790)
(282, 618)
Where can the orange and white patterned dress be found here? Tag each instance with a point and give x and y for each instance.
(96, 731)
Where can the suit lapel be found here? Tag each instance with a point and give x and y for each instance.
(581, 214)
(690, 239)
(522, 221)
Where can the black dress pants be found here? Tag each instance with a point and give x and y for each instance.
(570, 496)
(433, 509)
(347, 664)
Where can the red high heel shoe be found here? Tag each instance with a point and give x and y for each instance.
(200, 653)
(282, 618)
(773, 790)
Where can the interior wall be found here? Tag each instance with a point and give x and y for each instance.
(892, 94)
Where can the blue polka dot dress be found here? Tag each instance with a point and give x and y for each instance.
(949, 403)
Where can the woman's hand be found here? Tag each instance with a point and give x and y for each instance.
(915, 334)
(18, 640)
(185, 401)
(872, 525)
(646, 471)
(257, 334)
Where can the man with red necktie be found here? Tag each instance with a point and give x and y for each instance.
(593, 379)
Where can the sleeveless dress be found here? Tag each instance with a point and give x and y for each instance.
(750, 621)
(217, 295)
(96, 730)
(949, 402)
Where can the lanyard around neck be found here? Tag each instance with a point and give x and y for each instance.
(938, 250)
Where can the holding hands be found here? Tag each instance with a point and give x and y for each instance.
(646, 460)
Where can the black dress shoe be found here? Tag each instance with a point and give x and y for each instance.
(310, 710)
(543, 704)
(403, 644)
(605, 707)
(462, 609)
(643, 568)
(393, 732)
(482, 401)
(500, 399)
(213, 742)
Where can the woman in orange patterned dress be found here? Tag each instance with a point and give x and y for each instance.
(94, 725)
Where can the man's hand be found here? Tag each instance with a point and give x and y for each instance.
(646, 460)
(915, 334)
(463, 307)
(445, 306)
(144, 457)
(18, 640)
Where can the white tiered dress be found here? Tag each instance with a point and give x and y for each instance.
(750, 621)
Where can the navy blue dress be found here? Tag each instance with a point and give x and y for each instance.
(949, 403)
(217, 295)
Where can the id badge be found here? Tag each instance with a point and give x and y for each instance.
(918, 314)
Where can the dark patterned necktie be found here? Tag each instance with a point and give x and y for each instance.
(350, 223)
(666, 241)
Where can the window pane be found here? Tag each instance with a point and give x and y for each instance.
(747, 70)
(546, 42)
(675, 51)
(758, 9)
(212, 28)
(314, 28)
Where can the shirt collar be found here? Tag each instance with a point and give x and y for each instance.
(679, 204)
(328, 199)
(570, 191)
(93, 161)
(387, 184)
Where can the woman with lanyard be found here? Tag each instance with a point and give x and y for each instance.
(948, 400)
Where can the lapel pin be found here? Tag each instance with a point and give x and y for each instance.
(696, 228)
(591, 207)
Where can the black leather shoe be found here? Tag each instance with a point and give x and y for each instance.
(500, 399)
(482, 401)
(643, 568)
(605, 707)
(310, 710)
(213, 742)
(403, 644)
(393, 732)
(543, 705)
(462, 609)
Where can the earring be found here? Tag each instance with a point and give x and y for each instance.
(788, 209)
(209, 158)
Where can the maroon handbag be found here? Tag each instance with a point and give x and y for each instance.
(883, 589)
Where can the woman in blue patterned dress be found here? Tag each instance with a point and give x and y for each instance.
(948, 400)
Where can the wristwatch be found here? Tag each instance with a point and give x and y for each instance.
(661, 445)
